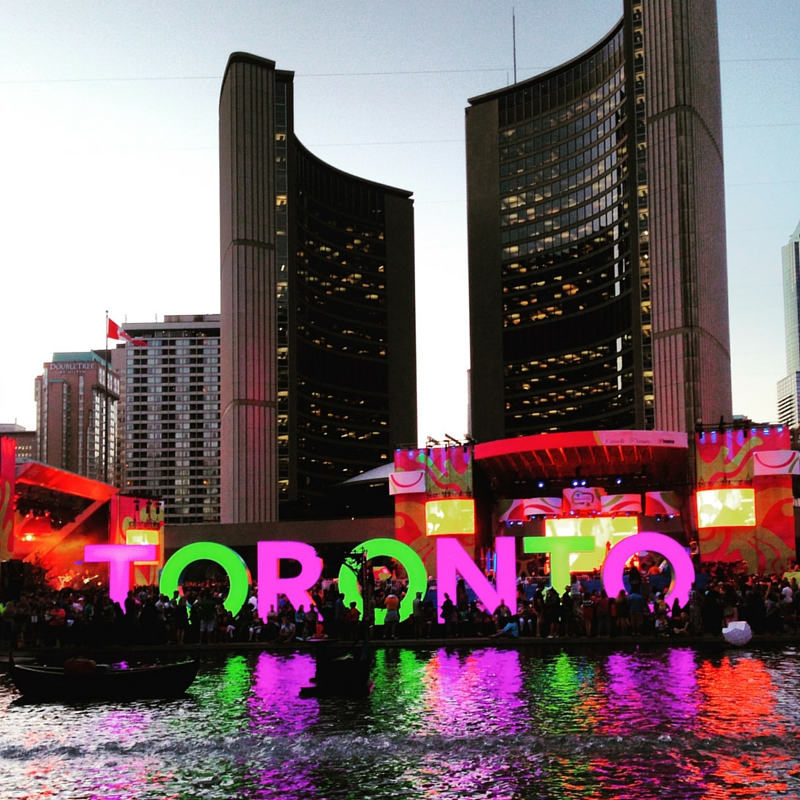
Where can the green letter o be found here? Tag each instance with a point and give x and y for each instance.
(417, 575)
(228, 559)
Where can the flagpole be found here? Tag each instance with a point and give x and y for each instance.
(105, 448)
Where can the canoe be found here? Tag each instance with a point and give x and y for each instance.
(83, 680)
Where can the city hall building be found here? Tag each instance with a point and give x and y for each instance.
(318, 355)
(597, 260)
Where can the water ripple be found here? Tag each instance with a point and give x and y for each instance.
(441, 724)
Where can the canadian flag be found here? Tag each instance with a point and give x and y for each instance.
(115, 332)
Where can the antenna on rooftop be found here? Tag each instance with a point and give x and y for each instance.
(514, 39)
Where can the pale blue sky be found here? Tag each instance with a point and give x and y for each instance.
(109, 178)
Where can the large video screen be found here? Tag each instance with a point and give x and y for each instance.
(450, 517)
(143, 536)
(735, 508)
(606, 531)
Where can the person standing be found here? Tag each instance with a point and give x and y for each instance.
(623, 613)
(300, 622)
(338, 613)
(181, 617)
(417, 615)
(207, 614)
(552, 606)
(636, 606)
(635, 580)
(392, 606)
(351, 620)
(449, 613)
(131, 617)
(502, 615)
(603, 614)
(587, 606)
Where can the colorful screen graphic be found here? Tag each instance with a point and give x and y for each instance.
(606, 531)
(726, 508)
(583, 499)
(141, 536)
(449, 517)
(447, 469)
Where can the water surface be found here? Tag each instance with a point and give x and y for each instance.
(448, 723)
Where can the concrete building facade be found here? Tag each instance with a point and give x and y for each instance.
(597, 260)
(76, 415)
(318, 328)
(171, 414)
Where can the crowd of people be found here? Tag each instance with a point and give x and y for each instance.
(197, 615)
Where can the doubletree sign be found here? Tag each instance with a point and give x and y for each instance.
(451, 560)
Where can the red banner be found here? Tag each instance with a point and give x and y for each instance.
(8, 468)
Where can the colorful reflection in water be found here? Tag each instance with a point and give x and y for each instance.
(485, 723)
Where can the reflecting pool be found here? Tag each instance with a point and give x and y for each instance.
(448, 723)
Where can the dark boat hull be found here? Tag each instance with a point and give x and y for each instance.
(52, 683)
(337, 675)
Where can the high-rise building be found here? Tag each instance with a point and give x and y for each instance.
(789, 387)
(76, 413)
(318, 327)
(171, 413)
(597, 261)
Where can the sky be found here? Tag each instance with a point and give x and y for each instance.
(109, 190)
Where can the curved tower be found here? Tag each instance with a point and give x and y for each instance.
(318, 330)
(598, 284)
(789, 387)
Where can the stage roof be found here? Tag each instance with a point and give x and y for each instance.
(654, 457)
(34, 473)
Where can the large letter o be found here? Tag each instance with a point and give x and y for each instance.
(682, 567)
(228, 559)
(417, 575)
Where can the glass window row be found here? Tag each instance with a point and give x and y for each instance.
(574, 177)
(336, 191)
(604, 119)
(168, 340)
(566, 237)
(581, 157)
(555, 223)
(570, 114)
(524, 208)
(539, 97)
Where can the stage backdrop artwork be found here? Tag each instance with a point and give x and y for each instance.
(139, 521)
(605, 531)
(727, 461)
(447, 475)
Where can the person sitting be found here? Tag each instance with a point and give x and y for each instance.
(312, 620)
(527, 618)
(254, 630)
(227, 626)
(288, 631)
(680, 626)
(510, 630)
